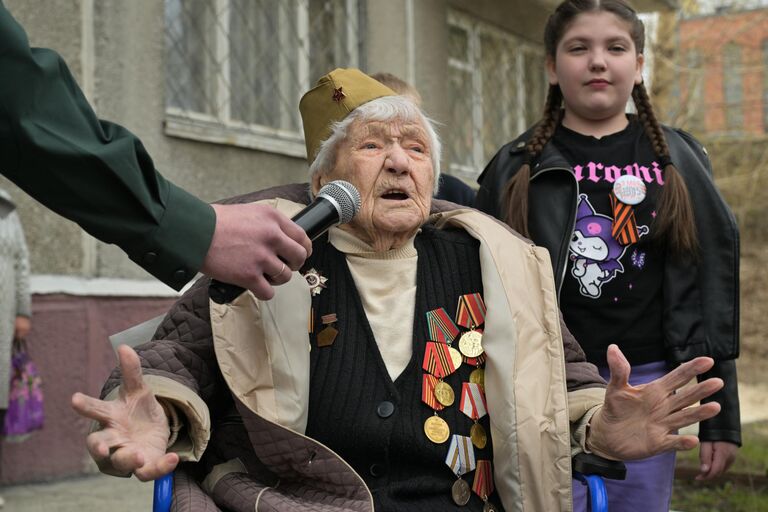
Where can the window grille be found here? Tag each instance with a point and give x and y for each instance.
(236, 69)
(497, 88)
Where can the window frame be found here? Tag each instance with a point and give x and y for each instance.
(221, 128)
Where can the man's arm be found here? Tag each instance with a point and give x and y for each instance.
(99, 175)
(93, 172)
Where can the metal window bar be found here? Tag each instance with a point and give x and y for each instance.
(243, 64)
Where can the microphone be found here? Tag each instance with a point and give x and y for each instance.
(336, 203)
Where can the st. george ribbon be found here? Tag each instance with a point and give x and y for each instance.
(336, 203)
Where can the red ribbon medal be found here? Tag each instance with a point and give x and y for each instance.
(437, 360)
(441, 327)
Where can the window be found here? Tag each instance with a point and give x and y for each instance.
(732, 87)
(497, 88)
(236, 69)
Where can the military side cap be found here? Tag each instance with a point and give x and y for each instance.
(336, 94)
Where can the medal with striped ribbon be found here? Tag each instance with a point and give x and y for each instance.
(624, 228)
(483, 484)
(428, 392)
(438, 360)
(461, 460)
(473, 404)
(470, 312)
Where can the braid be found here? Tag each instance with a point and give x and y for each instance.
(515, 197)
(675, 220)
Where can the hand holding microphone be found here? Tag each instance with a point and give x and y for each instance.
(336, 203)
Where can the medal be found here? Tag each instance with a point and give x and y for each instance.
(483, 484)
(315, 280)
(327, 336)
(471, 344)
(478, 436)
(441, 327)
(437, 360)
(444, 394)
(629, 189)
(311, 323)
(428, 395)
(478, 377)
(475, 361)
(461, 460)
(436, 429)
(460, 492)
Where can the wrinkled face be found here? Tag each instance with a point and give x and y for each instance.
(596, 66)
(391, 165)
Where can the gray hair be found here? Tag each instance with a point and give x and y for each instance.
(384, 109)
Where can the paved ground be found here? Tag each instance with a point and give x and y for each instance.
(105, 493)
(87, 494)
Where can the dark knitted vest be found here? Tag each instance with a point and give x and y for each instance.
(375, 424)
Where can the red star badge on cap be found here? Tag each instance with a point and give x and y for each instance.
(338, 95)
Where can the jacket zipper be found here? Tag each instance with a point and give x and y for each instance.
(570, 228)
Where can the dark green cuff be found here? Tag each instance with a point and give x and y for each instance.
(177, 248)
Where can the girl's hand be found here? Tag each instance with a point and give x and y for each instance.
(639, 421)
(135, 429)
(716, 457)
(21, 327)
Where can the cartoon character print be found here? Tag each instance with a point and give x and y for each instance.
(596, 255)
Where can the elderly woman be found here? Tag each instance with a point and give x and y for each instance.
(419, 363)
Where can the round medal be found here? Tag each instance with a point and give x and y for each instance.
(460, 492)
(437, 429)
(455, 357)
(444, 393)
(471, 344)
(478, 436)
(629, 189)
(477, 377)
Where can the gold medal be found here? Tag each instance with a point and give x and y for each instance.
(471, 344)
(444, 393)
(478, 436)
(437, 429)
(455, 357)
(478, 377)
(460, 492)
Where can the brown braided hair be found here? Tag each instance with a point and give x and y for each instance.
(674, 225)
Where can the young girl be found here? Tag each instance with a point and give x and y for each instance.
(644, 250)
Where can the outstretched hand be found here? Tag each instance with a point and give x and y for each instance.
(135, 429)
(640, 421)
(255, 247)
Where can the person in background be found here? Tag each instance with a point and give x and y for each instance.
(450, 188)
(644, 249)
(15, 303)
(98, 174)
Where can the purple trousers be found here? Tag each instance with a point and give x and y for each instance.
(648, 486)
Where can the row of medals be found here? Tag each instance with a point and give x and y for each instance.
(437, 429)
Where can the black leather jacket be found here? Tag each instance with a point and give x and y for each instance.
(701, 299)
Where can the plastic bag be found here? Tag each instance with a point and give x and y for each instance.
(25, 400)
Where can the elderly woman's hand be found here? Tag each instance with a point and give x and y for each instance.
(639, 421)
(135, 429)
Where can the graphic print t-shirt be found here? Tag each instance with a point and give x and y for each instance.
(612, 293)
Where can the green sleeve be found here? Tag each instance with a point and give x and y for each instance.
(96, 173)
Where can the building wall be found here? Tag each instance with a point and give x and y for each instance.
(709, 35)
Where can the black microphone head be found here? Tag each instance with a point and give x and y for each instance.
(345, 197)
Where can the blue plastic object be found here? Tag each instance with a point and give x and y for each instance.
(598, 497)
(163, 493)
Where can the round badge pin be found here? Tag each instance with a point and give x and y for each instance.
(629, 189)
